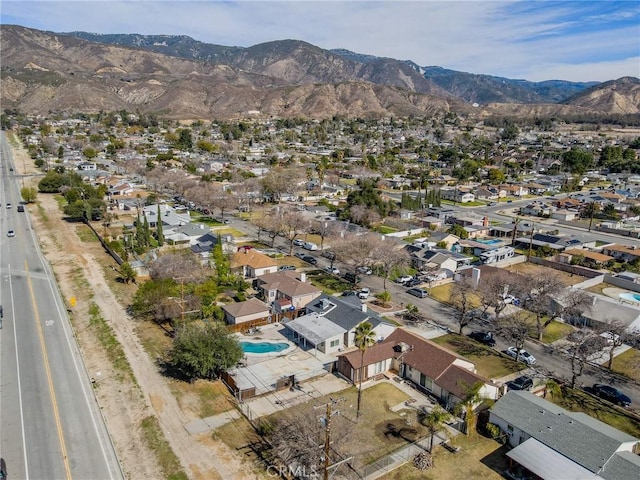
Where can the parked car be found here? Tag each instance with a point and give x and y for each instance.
(493, 204)
(521, 383)
(523, 355)
(611, 394)
(9, 205)
(329, 254)
(417, 292)
(11, 233)
(364, 293)
(414, 282)
(286, 267)
(404, 279)
(298, 242)
(310, 259)
(483, 337)
(333, 270)
(300, 255)
(351, 277)
(364, 270)
(349, 293)
(310, 246)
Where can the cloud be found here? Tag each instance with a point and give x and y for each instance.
(520, 39)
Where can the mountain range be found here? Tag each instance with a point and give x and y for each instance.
(180, 77)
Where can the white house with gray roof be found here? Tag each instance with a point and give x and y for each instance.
(330, 322)
(554, 443)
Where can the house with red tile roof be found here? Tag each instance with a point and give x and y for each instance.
(429, 366)
(251, 263)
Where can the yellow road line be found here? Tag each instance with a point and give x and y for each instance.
(56, 414)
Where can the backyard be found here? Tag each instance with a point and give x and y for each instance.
(480, 457)
(377, 432)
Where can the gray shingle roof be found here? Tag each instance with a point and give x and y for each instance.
(588, 442)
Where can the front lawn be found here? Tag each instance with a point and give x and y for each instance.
(480, 457)
(489, 362)
(329, 284)
(627, 364)
(555, 331)
(578, 401)
(442, 293)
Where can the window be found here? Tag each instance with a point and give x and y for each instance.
(378, 367)
(334, 343)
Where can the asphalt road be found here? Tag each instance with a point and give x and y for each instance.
(50, 423)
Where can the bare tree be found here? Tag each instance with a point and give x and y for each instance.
(461, 299)
(582, 344)
(277, 182)
(293, 223)
(390, 255)
(569, 304)
(492, 287)
(358, 251)
(176, 266)
(325, 229)
(615, 334)
(298, 437)
(516, 328)
(539, 298)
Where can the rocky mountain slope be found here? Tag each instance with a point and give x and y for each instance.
(45, 71)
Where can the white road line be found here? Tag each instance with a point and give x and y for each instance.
(15, 340)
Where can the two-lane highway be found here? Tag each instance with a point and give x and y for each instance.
(50, 423)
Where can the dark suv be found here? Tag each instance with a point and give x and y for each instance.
(611, 394)
(484, 337)
(521, 383)
(310, 259)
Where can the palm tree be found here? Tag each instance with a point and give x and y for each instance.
(472, 398)
(552, 387)
(364, 338)
(434, 421)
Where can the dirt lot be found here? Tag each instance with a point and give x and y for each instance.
(130, 391)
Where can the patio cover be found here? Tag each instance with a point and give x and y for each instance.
(547, 463)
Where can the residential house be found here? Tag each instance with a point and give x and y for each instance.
(168, 216)
(592, 259)
(622, 252)
(536, 188)
(428, 259)
(205, 244)
(429, 366)
(537, 209)
(551, 442)
(566, 215)
(515, 190)
(483, 193)
(189, 233)
(252, 264)
(457, 195)
(330, 322)
(244, 312)
(287, 290)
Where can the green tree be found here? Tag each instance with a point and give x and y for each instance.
(221, 261)
(204, 350)
(577, 160)
(458, 231)
(29, 194)
(127, 273)
(159, 232)
(363, 339)
(90, 153)
(384, 297)
(434, 421)
(496, 176)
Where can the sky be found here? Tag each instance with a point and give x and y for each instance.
(577, 40)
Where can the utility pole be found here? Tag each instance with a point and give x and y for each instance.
(533, 228)
(327, 440)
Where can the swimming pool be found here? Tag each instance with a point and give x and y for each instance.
(263, 347)
(491, 241)
(631, 297)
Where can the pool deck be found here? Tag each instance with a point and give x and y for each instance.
(614, 292)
